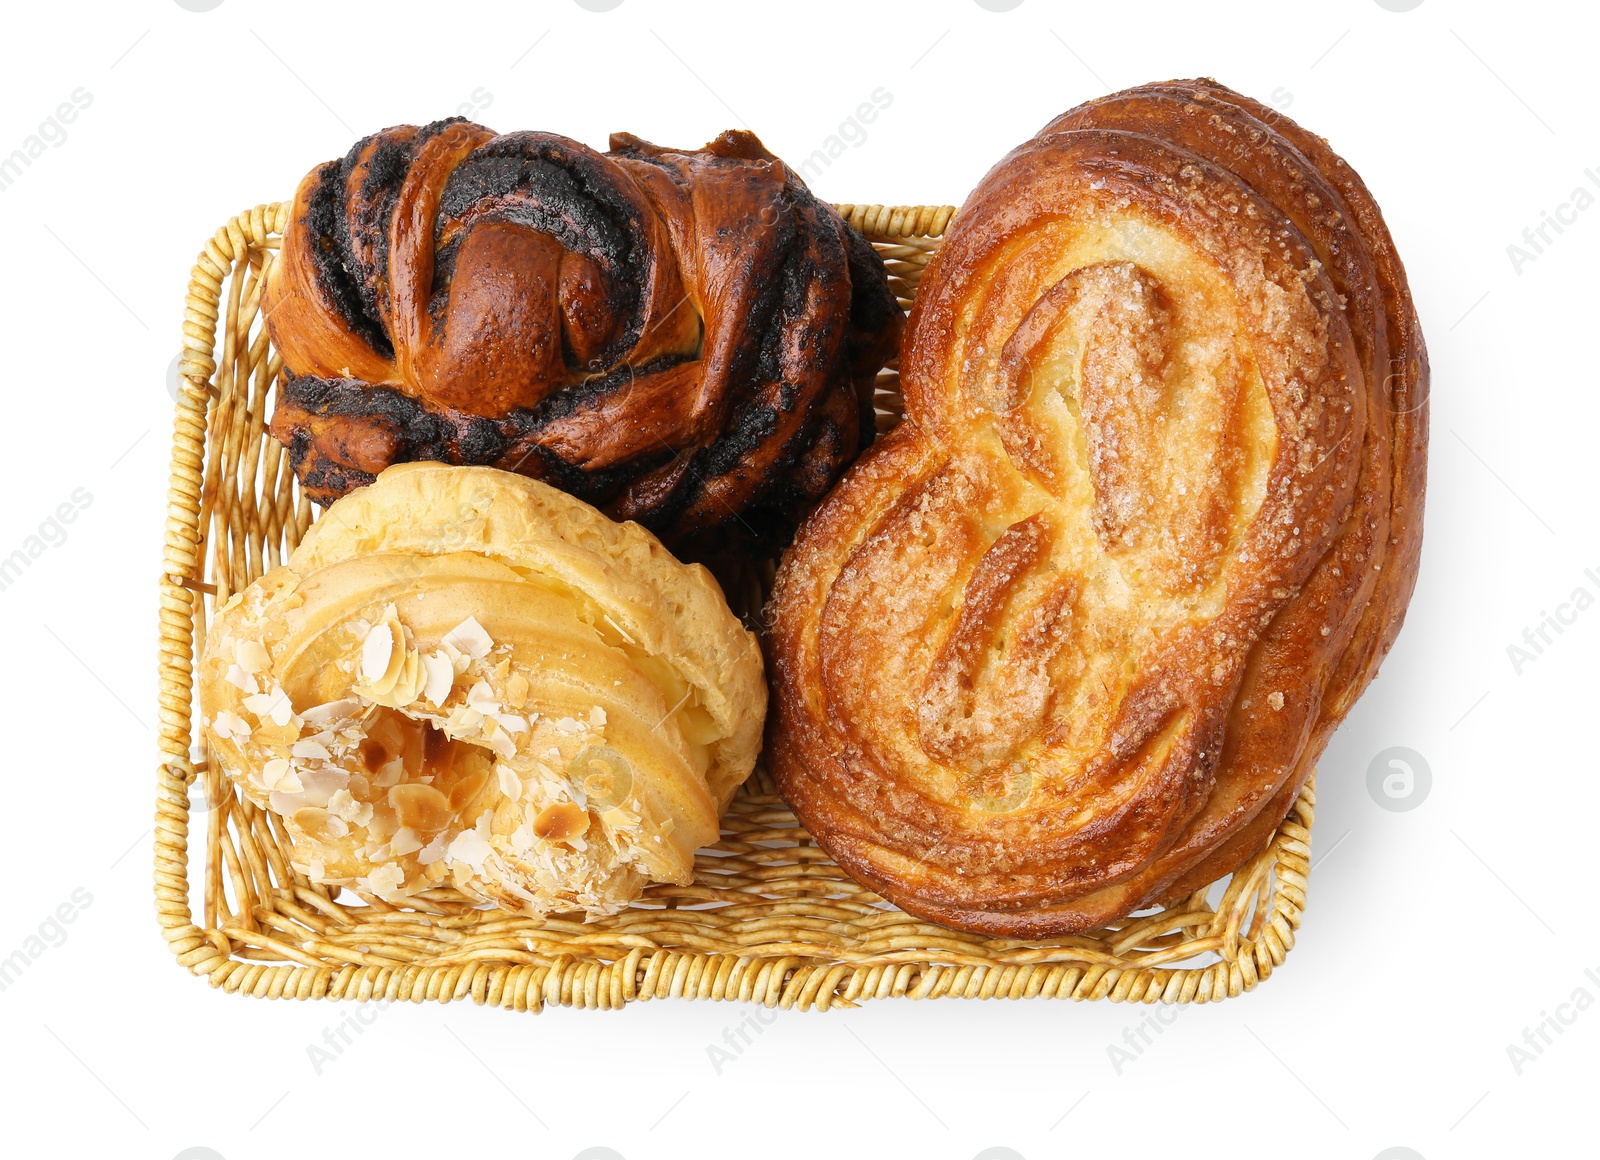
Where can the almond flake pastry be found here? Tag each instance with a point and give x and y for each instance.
(466, 678)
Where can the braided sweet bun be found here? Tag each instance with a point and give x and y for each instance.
(463, 677)
(688, 339)
(1070, 640)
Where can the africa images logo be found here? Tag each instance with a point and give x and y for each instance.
(51, 133)
(1552, 625)
(1537, 239)
(51, 533)
(1399, 779)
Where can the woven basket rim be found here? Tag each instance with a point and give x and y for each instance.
(1250, 932)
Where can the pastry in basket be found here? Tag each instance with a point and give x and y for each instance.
(1070, 640)
(686, 338)
(464, 677)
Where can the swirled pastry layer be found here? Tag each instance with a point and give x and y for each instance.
(464, 677)
(1069, 641)
(686, 338)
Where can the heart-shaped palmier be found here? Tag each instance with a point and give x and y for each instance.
(1069, 641)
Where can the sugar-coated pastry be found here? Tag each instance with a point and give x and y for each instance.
(686, 338)
(1070, 640)
(465, 677)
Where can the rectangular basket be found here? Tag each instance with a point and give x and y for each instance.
(769, 918)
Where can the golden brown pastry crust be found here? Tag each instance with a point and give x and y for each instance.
(687, 338)
(465, 677)
(1070, 640)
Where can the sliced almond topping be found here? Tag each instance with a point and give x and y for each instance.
(467, 788)
(272, 705)
(409, 683)
(376, 652)
(482, 699)
(340, 803)
(470, 638)
(420, 807)
(517, 690)
(439, 677)
(561, 821)
(510, 783)
(343, 805)
(405, 841)
(470, 847)
(400, 677)
(522, 838)
(383, 824)
(252, 656)
(280, 776)
(230, 726)
(324, 715)
(499, 740)
(433, 851)
(386, 880)
(318, 824)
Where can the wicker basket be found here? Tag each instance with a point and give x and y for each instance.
(769, 917)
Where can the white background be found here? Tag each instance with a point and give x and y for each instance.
(1433, 936)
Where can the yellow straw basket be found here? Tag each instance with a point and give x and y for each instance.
(769, 919)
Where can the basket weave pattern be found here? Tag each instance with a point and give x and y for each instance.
(769, 918)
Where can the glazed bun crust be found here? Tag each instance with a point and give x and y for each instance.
(1069, 641)
(684, 337)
